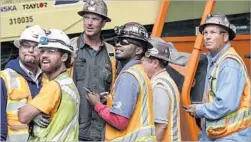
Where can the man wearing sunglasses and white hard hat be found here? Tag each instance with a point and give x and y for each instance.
(226, 109)
(166, 96)
(21, 81)
(59, 98)
(129, 114)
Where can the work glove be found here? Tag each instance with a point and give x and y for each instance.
(42, 120)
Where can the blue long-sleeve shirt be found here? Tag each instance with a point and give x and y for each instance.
(3, 111)
(229, 89)
(33, 86)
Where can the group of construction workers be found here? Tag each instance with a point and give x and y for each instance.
(85, 89)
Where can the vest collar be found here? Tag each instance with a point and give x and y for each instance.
(82, 43)
(34, 77)
(158, 72)
(130, 63)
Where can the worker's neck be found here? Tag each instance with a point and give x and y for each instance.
(93, 41)
(53, 75)
(123, 62)
(33, 68)
(156, 71)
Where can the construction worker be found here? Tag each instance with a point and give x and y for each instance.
(166, 96)
(21, 80)
(129, 114)
(58, 98)
(94, 67)
(226, 107)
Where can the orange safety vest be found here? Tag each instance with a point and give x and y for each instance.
(173, 132)
(141, 125)
(240, 118)
(111, 53)
(18, 95)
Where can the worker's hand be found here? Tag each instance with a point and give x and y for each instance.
(42, 120)
(93, 98)
(192, 110)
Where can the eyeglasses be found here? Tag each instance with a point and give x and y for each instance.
(49, 51)
(27, 45)
(45, 41)
(205, 33)
(94, 19)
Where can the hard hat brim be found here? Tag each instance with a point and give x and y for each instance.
(148, 44)
(81, 13)
(17, 43)
(230, 31)
(73, 54)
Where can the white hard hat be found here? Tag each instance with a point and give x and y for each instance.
(31, 34)
(55, 38)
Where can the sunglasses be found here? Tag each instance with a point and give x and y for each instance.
(124, 42)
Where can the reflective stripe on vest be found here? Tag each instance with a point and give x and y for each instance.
(237, 120)
(143, 134)
(144, 111)
(68, 91)
(141, 127)
(40, 134)
(15, 84)
(172, 132)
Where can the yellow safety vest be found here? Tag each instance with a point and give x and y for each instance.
(111, 53)
(141, 125)
(18, 95)
(237, 120)
(173, 132)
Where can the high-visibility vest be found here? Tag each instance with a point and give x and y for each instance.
(237, 120)
(141, 125)
(173, 132)
(18, 94)
(111, 53)
(64, 125)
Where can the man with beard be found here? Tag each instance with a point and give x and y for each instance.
(21, 81)
(59, 98)
(129, 113)
(94, 67)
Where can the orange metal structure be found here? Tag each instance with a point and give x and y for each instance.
(193, 45)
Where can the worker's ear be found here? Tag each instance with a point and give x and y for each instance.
(155, 63)
(103, 23)
(139, 50)
(226, 37)
(64, 57)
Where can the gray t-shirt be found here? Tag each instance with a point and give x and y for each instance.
(161, 103)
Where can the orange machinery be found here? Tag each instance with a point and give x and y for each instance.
(194, 46)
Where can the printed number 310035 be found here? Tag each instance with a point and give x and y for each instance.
(21, 20)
